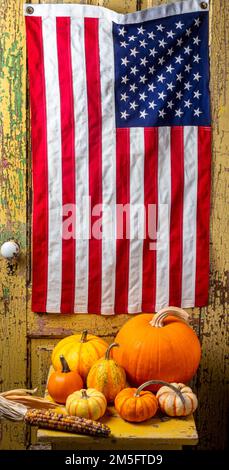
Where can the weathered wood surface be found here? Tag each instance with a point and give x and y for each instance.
(212, 380)
(25, 338)
(13, 358)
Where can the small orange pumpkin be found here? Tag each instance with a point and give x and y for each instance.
(136, 405)
(162, 346)
(63, 383)
(107, 376)
(81, 351)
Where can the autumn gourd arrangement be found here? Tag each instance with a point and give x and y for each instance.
(155, 354)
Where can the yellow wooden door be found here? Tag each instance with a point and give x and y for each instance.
(26, 339)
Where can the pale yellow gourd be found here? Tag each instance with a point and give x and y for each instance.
(170, 402)
(90, 404)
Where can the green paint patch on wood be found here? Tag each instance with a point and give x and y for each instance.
(18, 232)
(5, 293)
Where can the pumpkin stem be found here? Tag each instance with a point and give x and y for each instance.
(160, 382)
(84, 393)
(158, 319)
(65, 366)
(112, 345)
(84, 336)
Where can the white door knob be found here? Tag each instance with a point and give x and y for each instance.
(10, 249)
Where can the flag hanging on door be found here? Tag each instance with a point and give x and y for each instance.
(121, 144)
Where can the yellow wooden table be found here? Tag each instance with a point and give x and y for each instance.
(159, 433)
(155, 434)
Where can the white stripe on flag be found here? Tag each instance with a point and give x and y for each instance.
(81, 164)
(54, 165)
(108, 166)
(189, 215)
(164, 204)
(137, 155)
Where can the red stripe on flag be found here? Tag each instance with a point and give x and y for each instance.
(203, 215)
(39, 155)
(176, 215)
(68, 158)
(122, 198)
(150, 197)
(95, 157)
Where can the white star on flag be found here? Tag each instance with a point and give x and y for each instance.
(134, 52)
(125, 79)
(152, 104)
(179, 25)
(187, 103)
(178, 112)
(170, 34)
(170, 104)
(141, 30)
(133, 87)
(151, 87)
(169, 68)
(151, 35)
(161, 95)
(153, 52)
(197, 94)
(125, 61)
(160, 27)
(197, 112)
(122, 31)
(132, 38)
(133, 105)
(142, 96)
(124, 115)
(162, 113)
(124, 97)
(143, 114)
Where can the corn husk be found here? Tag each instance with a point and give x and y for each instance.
(12, 411)
(25, 397)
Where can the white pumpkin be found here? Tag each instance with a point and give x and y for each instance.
(170, 402)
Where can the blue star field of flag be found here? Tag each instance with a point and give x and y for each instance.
(162, 72)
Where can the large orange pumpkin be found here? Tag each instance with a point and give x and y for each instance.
(81, 351)
(162, 346)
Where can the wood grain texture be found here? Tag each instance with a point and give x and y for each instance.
(42, 331)
(212, 380)
(13, 348)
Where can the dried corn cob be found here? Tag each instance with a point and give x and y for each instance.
(59, 422)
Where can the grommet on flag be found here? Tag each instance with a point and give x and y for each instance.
(204, 5)
(30, 10)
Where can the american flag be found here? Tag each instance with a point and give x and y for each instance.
(120, 117)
